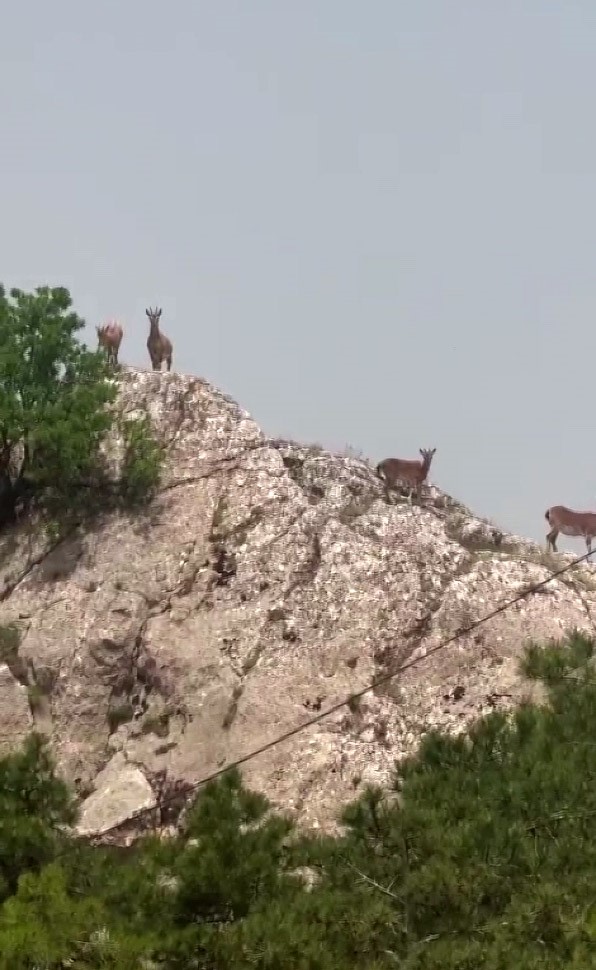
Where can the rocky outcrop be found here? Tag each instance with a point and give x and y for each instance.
(267, 581)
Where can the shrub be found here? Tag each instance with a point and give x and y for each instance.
(142, 464)
(9, 643)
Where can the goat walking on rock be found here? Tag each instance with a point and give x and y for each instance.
(394, 471)
(158, 345)
(110, 336)
(570, 523)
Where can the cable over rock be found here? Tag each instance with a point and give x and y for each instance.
(265, 581)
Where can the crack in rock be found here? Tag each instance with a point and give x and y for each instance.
(160, 647)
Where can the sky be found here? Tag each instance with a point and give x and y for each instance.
(371, 224)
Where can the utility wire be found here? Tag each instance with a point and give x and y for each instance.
(356, 695)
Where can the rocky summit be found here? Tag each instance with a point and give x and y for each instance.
(266, 582)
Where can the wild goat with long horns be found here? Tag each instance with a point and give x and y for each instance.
(394, 471)
(159, 346)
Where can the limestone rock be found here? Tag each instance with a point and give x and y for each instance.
(14, 711)
(121, 791)
(266, 582)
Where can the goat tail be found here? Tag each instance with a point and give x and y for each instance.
(547, 516)
(380, 472)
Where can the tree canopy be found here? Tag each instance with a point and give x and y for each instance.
(483, 855)
(54, 393)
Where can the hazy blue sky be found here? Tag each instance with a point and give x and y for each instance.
(370, 223)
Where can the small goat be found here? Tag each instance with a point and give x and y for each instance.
(158, 345)
(392, 471)
(570, 523)
(110, 336)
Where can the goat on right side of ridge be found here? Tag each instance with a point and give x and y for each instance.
(158, 345)
(394, 471)
(569, 523)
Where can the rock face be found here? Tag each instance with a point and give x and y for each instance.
(266, 582)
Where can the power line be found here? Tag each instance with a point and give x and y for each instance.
(356, 695)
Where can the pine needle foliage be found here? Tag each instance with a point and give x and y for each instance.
(483, 855)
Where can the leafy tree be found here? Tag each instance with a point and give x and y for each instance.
(53, 394)
(54, 397)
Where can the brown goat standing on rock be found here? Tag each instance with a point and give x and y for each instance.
(570, 523)
(392, 471)
(158, 345)
(110, 337)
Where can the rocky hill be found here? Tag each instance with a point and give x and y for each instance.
(267, 581)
